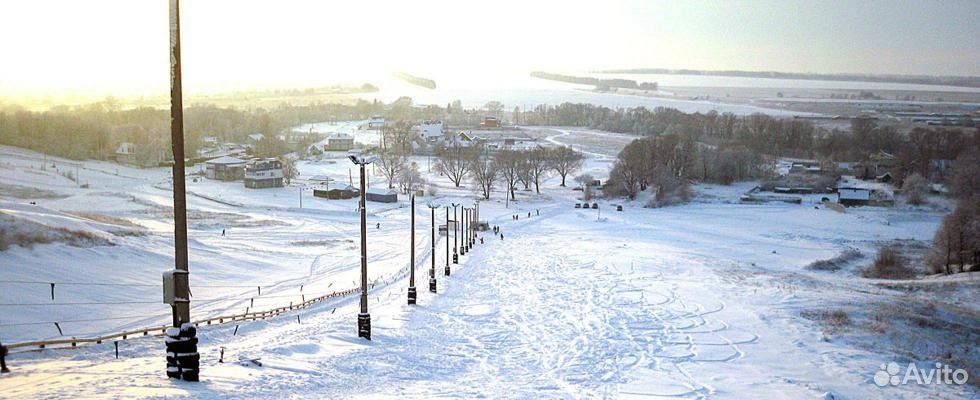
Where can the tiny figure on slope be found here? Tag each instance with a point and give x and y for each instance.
(222, 231)
(379, 225)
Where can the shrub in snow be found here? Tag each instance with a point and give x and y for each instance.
(836, 263)
(15, 232)
(889, 264)
(915, 188)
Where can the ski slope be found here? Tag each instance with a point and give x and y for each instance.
(701, 300)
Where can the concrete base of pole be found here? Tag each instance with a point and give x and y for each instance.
(412, 295)
(432, 285)
(183, 361)
(364, 325)
(462, 251)
(455, 260)
(447, 270)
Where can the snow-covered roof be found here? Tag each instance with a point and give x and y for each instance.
(320, 178)
(225, 161)
(383, 191)
(334, 136)
(256, 136)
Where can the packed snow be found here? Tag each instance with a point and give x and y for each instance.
(702, 300)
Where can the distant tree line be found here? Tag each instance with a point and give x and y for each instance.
(92, 131)
(758, 136)
(598, 83)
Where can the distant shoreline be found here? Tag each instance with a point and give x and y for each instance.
(961, 81)
(415, 80)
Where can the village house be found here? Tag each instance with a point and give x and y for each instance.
(463, 139)
(490, 122)
(263, 173)
(254, 138)
(339, 142)
(853, 192)
(129, 153)
(429, 130)
(376, 122)
(225, 169)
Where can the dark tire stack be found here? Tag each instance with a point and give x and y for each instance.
(183, 360)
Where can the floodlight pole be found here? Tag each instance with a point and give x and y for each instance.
(455, 236)
(411, 277)
(464, 241)
(447, 241)
(432, 269)
(363, 318)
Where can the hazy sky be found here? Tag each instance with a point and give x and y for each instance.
(120, 46)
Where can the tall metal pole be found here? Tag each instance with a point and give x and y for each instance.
(455, 235)
(363, 319)
(447, 241)
(182, 341)
(411, 277)
(432, 269)
(462, 229)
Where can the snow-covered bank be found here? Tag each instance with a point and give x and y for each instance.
(708, 299)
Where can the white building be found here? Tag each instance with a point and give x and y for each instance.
(430, 130)
(376, 122)
(263, 173)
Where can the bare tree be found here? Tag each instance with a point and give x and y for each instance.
(289, 171)
(538, 163)
(391, 162)
(454, 161)
(585, 180)
(410, 179)
(565, 161)
(915, 188)
(494, 108)
(508, 164)
(484, 172)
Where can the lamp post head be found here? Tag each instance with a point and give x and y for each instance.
(356, 158)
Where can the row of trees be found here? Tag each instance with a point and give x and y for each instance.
(92, 131)
(513, 168)
(956, 244)
(763, 135)
(526, 167)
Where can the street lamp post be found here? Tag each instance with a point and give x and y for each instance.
(432, 269)
(363, 318)
(465, 241)
(455, 237)
(447, 241)
(411, 278)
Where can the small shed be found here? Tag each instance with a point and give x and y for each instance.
(854, 196)
(341, 193)
(381, 195)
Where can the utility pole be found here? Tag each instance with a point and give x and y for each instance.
(411, 277)
(182, 339)
(432, 269)
(363, 318)
(455, 235)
